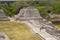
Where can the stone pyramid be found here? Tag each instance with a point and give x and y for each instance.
(3, 16)
(28, 13)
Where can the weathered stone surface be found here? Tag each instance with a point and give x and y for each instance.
(3, 16)
(3, 36)
(33, 17)
(54, 17)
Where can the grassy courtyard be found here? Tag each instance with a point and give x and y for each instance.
(17, 31)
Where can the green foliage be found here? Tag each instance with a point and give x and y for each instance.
(56, 7)
(42, 10)
(13, 8)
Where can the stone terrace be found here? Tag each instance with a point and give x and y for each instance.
(3, 16)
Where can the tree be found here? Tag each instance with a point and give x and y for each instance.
(56, 7)
(13, 8)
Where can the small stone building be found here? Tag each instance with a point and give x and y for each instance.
(54, 17)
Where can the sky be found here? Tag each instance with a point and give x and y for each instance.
(8, 0)
(23, 0)
(18, 0)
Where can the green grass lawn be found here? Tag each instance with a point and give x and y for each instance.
(17, 31)
(57, 25)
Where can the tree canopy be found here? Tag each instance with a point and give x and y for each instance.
(13, 8)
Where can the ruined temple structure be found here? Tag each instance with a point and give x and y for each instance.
(30, 13)
(33, 17)
(27, 13)
(3, 16)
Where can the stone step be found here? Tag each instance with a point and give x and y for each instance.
(4, 19)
